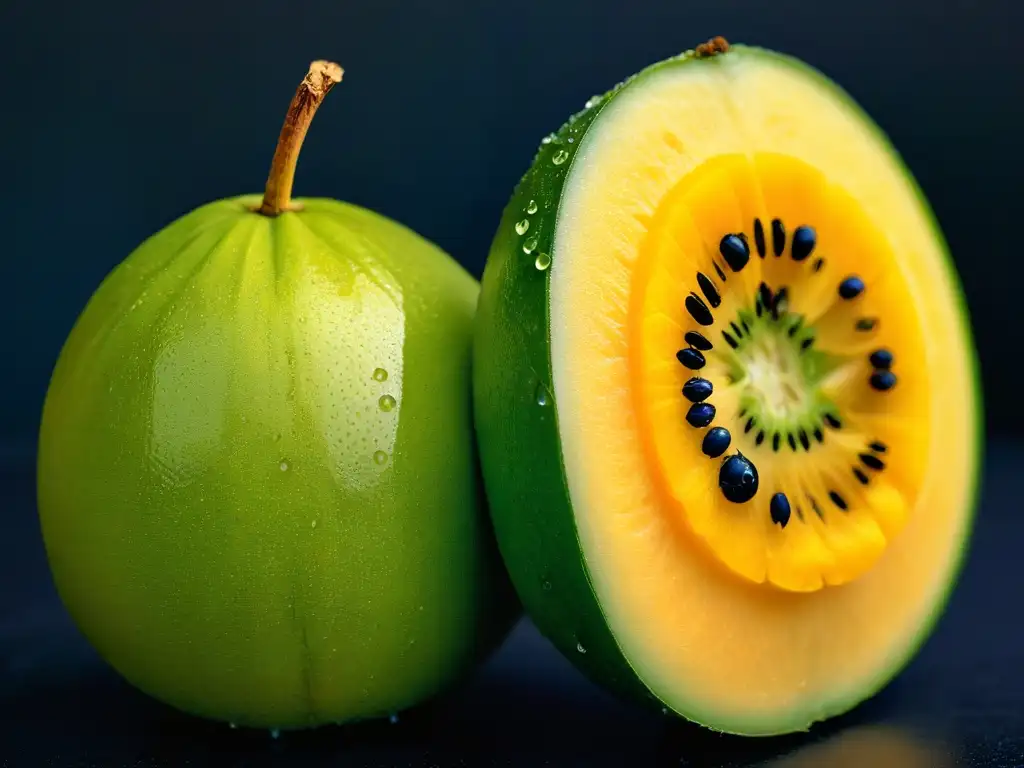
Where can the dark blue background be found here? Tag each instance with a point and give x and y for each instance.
(120, 116)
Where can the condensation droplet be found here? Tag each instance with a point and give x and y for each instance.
(313, 524)
(580, 648)
(592, 102)
(542, 262)
(275, 733)
(522, 226)
(232, 725)
(542, 394)
(393, 719)
(532, 207)
(560, 157)
(387, 402)
(530, 246)
(546, 585)
(546, 140)
(284, 466)
(380, 457)
(379, 374)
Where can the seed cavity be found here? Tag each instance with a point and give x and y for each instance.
(804, 240)
(698, 310)
(883, 381)
(851, 288)
(779, 509)
(735, 251)
(738, 479)
(691, 358)
(716, 442)
(709, 290)
(697, 390)
(700, 414)
(695, 339)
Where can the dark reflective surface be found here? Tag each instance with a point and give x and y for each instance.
(961, 702)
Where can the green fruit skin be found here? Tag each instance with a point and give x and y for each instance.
(217, 517)
(519, 441)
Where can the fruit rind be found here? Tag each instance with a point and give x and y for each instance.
(529, 495)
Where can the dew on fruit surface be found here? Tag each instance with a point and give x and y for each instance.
(284, 466)
(379, 374)
(393, 719)
(531, 208)
(387, 403)
(541, 394)
(313, 524)
(542, 262)
(560, 157)
(530, 246)
(592, 102)
(232, 726)
(546, 585)
(522, 226)
(380, 458)
(580, 648)
(275, 733)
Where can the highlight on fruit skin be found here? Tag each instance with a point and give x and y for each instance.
(257, 480)
(726, 394)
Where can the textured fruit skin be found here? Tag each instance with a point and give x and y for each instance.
(519, 443)
(216, 514)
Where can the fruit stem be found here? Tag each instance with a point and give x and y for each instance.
(322, 76)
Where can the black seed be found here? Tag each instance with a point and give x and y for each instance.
(883, 381)
(779, 509)
(778, 237)
(866, 324)
(757, 307)
(721, 274)
(838, 500)
(738, 479)
(776, 439)
(697, 390)
(804, 240)
(851, 287)
(760, 437)
(716, 442)
(698, 310)
(878, 446)
(819, 435)
(871, 461)
(750, 424)
(816, 508)
(700, 414)
(881, 358)
(736, 330)
(708, 289)
(766, 295)
(791, 440)
(861, 477)
(735, 251)
(695, 339)
(729, 339)
(745, 326)
(832, 421)
(759, 238)
(691, 358)
(743, 412)
(804, 440)
(795, 327)
(818, 265)
(806, 342)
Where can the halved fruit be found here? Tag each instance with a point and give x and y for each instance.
(726, 394)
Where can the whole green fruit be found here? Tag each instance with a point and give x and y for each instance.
(257, 481)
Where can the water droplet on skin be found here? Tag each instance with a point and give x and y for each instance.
(380, 457)
(379, 374)
(592, 102)
(560, 157)
(522, 226)
(542, 262)
(386, 402)
(530, 246)
(393, 719)
(313, 524)
(532, 207)
(284, 466)
(232, 725)
(275, 733)
(546, 586)
(571, 140)
(580, 648)
(546, 140)
(664, 710)
(542, 395)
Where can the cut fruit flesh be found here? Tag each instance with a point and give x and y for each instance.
(720, 613)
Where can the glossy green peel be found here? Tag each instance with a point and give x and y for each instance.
(257, 481)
